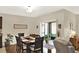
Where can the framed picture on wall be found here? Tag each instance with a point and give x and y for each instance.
(59, 26)
(59, 30)
(20, 26)
(37, 27)
(71, 26)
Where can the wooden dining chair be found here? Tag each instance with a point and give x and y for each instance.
(20, 34)
(38, 46)
(20, 46)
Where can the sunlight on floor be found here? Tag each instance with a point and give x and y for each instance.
(45, 50)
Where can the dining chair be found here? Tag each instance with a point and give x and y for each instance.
(20, 34)
(20, 46)
(38, 46)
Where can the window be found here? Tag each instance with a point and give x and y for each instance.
(53, 28)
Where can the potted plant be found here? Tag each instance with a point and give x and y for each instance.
(47, 37)
(9, 39)
(10, 45)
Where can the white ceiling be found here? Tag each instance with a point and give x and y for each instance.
(38, 11)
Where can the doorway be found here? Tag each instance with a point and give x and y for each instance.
(48, 28)
(45, 29)
(0, 32)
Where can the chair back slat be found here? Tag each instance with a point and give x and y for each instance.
(18, 39)
(20, 34)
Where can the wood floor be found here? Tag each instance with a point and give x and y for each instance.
(2, 50)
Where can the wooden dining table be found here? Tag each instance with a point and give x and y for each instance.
(28, 42)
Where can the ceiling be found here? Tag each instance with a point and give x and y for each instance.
(38, 11)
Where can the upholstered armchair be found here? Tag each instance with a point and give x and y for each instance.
(63, 46)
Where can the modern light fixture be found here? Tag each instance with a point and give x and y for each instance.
(29, 9)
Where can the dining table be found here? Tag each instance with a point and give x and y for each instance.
(28, 42)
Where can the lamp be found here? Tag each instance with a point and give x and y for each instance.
(72, 34)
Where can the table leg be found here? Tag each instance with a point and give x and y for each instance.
(28, 48)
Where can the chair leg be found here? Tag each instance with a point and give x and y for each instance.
(41, 50)
(22, 51)
(17, 49)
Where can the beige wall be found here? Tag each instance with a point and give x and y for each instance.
(77, 22)
(56, 16)
(62, 17)
(69, 18)
(9, 20)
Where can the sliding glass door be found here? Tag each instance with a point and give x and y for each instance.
(48, 28)
(43, 29)
(53, 27)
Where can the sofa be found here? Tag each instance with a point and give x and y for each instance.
(63, 46)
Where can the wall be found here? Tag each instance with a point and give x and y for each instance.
(69, 18)
(57, 16)
(62, 17)
(77, 22)
(9, 20)
(51, 16)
